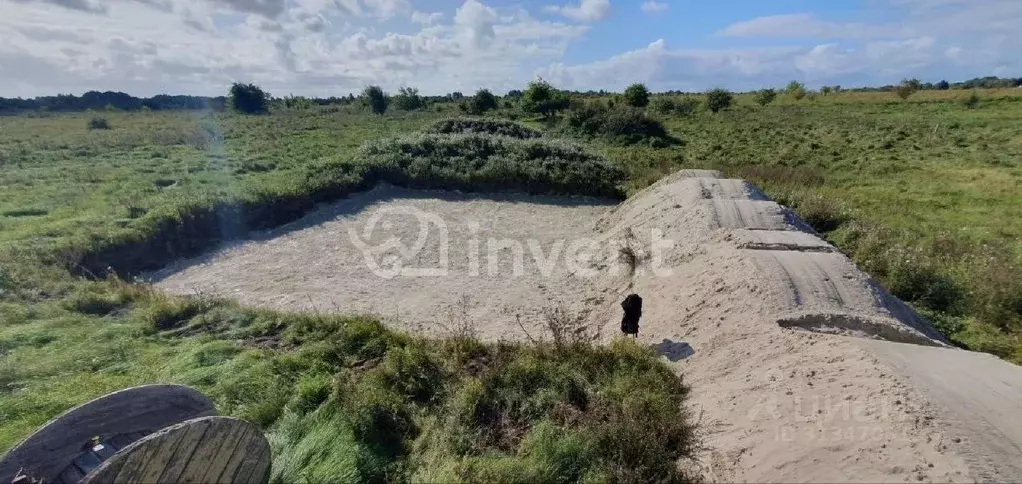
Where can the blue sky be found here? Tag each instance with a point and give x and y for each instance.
(332, 47)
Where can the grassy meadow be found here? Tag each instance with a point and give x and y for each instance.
(923, 194)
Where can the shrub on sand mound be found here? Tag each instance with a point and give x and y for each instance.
(623, 124)
(500, 127)
(481, 162)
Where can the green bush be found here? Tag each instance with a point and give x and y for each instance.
(543, 99)
(297, 103)
(99, 122)
(494, 126)
(481, 102)
(796, 90)
(248, 99)
(375, 99)
(407, 99)
(663, 105)
(765, 96)
(907, 88)
(719, 99)
(623, 124)
(482, 162)
(636, 95)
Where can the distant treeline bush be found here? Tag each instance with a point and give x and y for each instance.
(108, 100)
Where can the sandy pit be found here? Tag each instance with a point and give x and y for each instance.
(482, 259)
(802, 367)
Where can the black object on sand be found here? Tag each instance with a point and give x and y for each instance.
(633, 311)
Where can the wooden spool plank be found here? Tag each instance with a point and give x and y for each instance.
(134, 412)
(207, 449)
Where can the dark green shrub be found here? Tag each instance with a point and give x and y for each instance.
(483, 162)
(636, 95)
(248, 99)
(685, 106)
(765, 96)
(623, 124)
(408, 99)
(99, 122)
(494, 126)
(481, 102)
(375, 99)
(718, 100)
(663, 105)
(543, 99)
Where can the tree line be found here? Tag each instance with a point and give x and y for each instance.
(406, 99)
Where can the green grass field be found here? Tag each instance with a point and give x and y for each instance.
(923, 194)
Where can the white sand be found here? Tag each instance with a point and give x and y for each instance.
(315, 264)
(787, 346)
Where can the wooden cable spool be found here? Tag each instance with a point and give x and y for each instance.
(151, 433)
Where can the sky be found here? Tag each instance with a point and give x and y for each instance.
(334, 47)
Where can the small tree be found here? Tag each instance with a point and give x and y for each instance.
(637, 95)
(482, 101)
(943, 86)
(541, 98)
(796, 90)
(719, 99)
(408, 99)
(907, 88)
(375, 99)
(248, 99)
(765, 96)
(298, 103)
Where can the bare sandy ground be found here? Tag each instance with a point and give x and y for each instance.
(802, 367)
(467, 259)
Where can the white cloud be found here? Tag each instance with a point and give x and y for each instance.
(388, 8)
(939, 18)
(662, 68)
(804, 25)
(584, 11)
(313, 48)
(474, 22)
(423, 18)
(653, 6)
